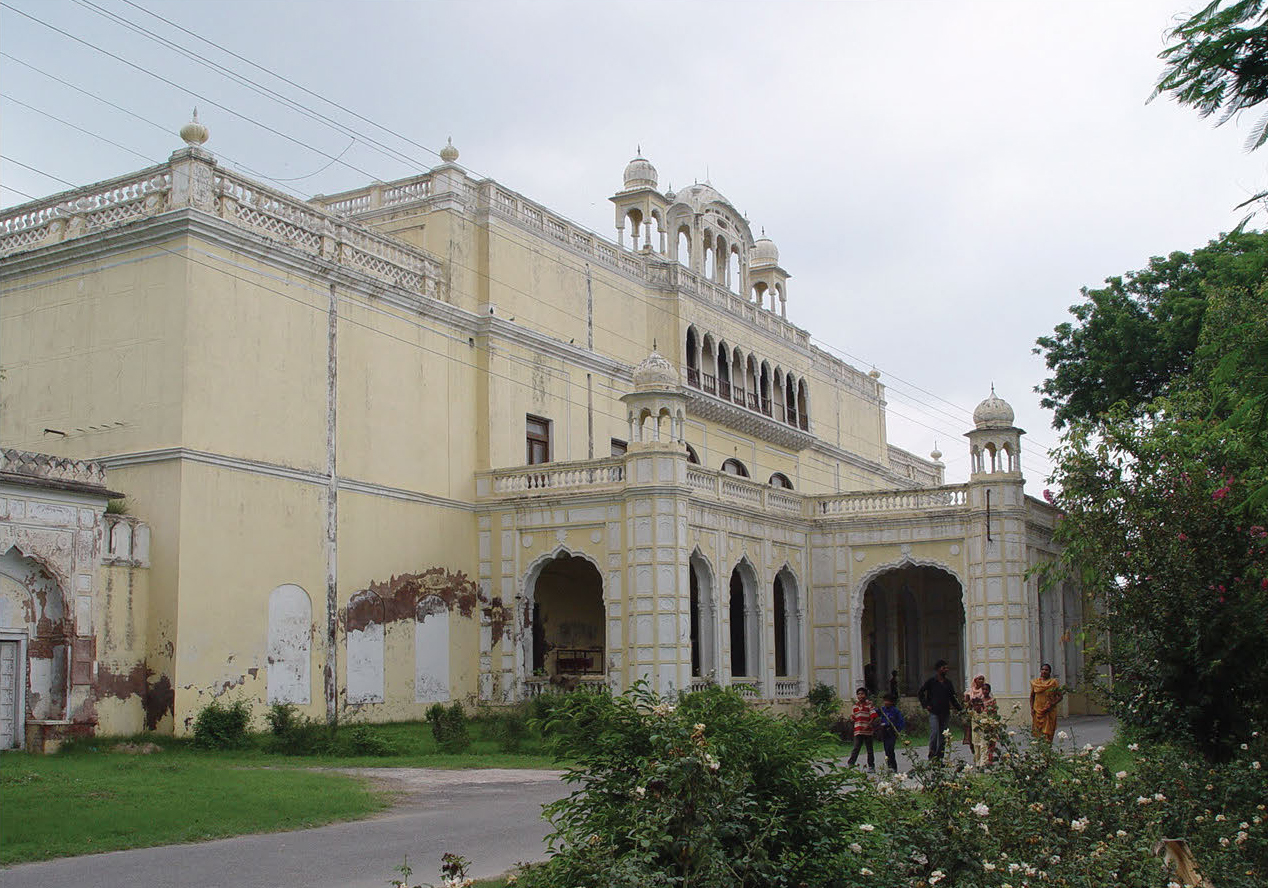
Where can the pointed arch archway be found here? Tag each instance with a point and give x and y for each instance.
(562, 619)
(907, 615)
(744, 621)
(787, 611)
(704, 619)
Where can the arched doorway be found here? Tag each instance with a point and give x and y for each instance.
(704, 621)
(787, 617)
(565, 641)
(745, 626)
(912, 616)
(34, 647)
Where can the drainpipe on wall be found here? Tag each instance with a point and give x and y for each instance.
(332, 515)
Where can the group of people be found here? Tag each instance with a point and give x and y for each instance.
(937, 696)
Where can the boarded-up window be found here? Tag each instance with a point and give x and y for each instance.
(365, 648)
(431, 651)
(290, 640)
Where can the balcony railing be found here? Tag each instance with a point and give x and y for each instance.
(948, 497)
(571, 477)
(787, 688)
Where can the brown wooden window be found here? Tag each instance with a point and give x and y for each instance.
(537, 438)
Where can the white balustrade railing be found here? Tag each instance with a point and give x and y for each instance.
(377, 196)
(703, 480)
(547, 477)
(787, 688)
(85, 210)
(951, 496)
(305, 227)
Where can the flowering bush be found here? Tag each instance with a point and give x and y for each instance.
(708, 792)
(713, 792)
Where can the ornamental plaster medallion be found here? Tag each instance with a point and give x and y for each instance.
(596, 536)
(526, 540)
(859, 556)
(955, 550)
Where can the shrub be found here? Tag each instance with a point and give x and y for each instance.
(824, 698)
(295, 734)
(221, 726)
(510, 729)
(711, 792)
(449, 727)
(360, 739)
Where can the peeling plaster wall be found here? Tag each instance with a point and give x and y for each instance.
(288, 654)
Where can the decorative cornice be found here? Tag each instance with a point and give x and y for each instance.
(277, 470)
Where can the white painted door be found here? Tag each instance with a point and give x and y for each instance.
(10, 688)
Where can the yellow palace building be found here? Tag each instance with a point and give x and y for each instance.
(430, 441)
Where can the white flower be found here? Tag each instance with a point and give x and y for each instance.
(1056, 858)
(1012, 733)
(865, 872)
(1224, 841)
(988, 866)
(1012, 867)
(1122, 833)
(640, 790)
(1159, 797)
(1079, 825)
(1255, 765)
(856, 847)
(1142, 800)
(1062, 735)
(1121, 775)
(1243, 825)
(1219, 818)
(936, 876)
(1242, 836)
(980, 809)
(1133, 746)
(866, 827)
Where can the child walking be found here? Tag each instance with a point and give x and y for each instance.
(865, 717)
(891, 723)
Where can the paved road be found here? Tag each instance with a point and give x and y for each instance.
(1080, 730)
(492, 817)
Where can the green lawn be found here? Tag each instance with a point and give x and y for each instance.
(60, 805)
(89, 798)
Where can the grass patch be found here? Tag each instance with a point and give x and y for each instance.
(68, 804)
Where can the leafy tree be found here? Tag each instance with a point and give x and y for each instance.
(1136, 335)
(1164, 523)
(1220, 62)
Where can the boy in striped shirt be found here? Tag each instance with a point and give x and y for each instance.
(865, 716)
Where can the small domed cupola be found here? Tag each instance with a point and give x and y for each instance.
(655, 374)
(639, 173)
(993, 413)
(764, 252)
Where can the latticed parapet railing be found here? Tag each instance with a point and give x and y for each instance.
(293, 222)
(865, 502)
(52, 468)
(571, 477)
(85, 210)
(305, 227)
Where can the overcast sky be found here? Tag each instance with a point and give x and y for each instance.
(940, 177)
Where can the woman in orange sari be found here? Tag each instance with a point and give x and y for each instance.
(1045, 694)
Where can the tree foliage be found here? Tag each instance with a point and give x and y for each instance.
(1133, 338)
(1165, 509)
(1219, 62)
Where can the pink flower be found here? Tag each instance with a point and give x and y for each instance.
(1221, 493)
(1181, 536)
(1047, 494)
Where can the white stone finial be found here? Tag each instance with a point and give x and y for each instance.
(449, 153)
(874, 373)
(194, 133)
(935, 454)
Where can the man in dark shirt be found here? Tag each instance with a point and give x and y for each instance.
(937, 697)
